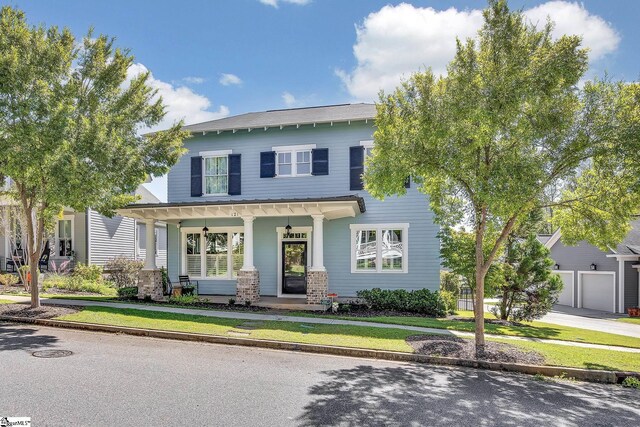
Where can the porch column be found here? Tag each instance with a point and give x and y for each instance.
(318, 244)
(248, 284)
(150, 256)
(317, 277)
(247, 263)
(150, 278)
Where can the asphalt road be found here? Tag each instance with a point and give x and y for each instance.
(121, 380)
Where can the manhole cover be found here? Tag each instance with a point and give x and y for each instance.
(48, 354)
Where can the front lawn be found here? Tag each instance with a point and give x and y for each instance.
(633, 320)
(530, 330)
(340, 335)
(6, 301)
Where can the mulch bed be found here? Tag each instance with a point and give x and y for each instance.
(207, 305)
(491, 321)
(42, 312)
(448, 346)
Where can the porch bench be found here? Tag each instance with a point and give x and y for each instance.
(189, 287)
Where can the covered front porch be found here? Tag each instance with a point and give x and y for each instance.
(248, 248)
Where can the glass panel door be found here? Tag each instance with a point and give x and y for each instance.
(294, 267)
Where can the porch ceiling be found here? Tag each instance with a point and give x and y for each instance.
(330, 207)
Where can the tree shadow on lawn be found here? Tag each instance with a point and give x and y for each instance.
(434, 396)
(13, 337)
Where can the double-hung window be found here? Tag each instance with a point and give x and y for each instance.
(64, 236)
(368, 151)
(218, 255)
(379, 248)
(215, 172)
(293, 160)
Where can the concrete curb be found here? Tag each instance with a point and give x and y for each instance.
(599, 376)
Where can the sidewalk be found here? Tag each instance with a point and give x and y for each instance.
(314, 320)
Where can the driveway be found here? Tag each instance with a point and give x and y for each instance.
(123, 380)
(590, 319)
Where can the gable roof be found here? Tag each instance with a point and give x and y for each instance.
(289, 117)
(146, 196)
(630, 245)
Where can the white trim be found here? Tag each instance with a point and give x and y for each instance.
(626, 257)
(280, 232)
(553, 239)
(612, 273)
(621, 262)
(57, 235)
(218, 153)
(88, 222)
(367, 144)
(286, 148)
(203, 251)
(379, 227)
(573, 284)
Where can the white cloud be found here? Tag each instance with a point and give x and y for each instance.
(194, 80)
(275, 3)
(229, 79)
(181, 102)
(398, 40)
(572, 18)
(288, 99)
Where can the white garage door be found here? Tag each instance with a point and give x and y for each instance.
(597, 291)
(566, 296)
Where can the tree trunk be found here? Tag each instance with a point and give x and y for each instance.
(479, 311)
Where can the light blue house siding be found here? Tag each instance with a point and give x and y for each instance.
(423, 245)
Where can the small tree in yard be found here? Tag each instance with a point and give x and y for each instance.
(69, 126)
(507, 127)
(530, 287)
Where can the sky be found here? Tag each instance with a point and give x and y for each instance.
(212, 59)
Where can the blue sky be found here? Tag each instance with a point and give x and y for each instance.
(210, 59)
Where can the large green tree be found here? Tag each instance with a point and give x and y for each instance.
(70, 123)
(509, 130)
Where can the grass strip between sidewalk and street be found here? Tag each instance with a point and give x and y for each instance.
(632, 320)
(337, 335)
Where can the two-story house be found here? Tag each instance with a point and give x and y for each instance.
(272, 204)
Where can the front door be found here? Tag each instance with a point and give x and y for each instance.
(294, 267)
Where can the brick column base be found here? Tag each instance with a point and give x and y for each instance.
(248, 286)
(150, 284)
(317, 286)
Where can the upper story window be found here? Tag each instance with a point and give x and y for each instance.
(215, 174)
(293, 160)
(368, 151)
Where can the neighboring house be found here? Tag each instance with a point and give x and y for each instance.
(598, 280)
(91, 238)
(272, 204)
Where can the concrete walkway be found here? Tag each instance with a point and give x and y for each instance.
(592, 320)
(306, 320)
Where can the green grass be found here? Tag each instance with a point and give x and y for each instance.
(6, 301)
(340, 335)
(104, 298)
(632, 320)
(587, 358)
(534, 329)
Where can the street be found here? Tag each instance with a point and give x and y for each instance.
(121, 380)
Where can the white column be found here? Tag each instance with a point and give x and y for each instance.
(318, 244)
(247, 265)
(150, 256)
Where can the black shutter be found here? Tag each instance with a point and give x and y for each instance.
(267, 164)
(196, 176)
(356, 167)
(320, 164)
(407, 182)
(234, 174)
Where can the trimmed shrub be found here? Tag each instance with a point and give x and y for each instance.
(128, 292)
(185, 299)
(422, 301)
(77, 284)
(8, 279)
(92, 273)
(124, 271)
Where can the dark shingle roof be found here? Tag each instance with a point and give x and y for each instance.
(631, 243)
(290, 117)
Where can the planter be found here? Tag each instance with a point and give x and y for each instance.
(634, 311)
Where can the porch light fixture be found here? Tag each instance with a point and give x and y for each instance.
(593, 266)
(179, 225)
(205, 230)
(287, 230)
(556, 266)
